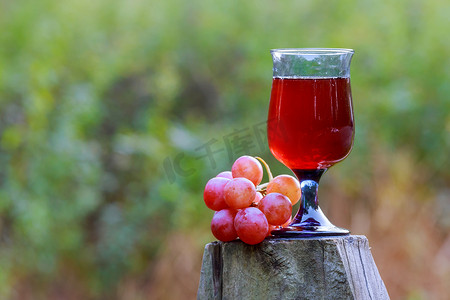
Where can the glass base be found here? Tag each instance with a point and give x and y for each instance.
(310, 222)
(309, 231)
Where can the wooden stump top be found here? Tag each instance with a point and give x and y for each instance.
(288, 268)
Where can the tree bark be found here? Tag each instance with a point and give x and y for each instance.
(282, 268)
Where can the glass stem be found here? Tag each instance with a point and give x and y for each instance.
(309, 202)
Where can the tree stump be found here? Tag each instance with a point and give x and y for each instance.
(288, 268)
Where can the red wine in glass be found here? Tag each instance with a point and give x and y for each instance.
(310, 125)
(311, 121)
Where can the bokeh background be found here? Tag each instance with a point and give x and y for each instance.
(114, 114)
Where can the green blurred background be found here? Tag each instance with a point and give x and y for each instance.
(114, 114)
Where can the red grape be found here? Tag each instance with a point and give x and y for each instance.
(248, 167)
(258, 198)
(251, 225)
(286, 224)
(286, 185)
(213, 194)
(222, 225)
(277, 208)
(239, 193)
(225, 174)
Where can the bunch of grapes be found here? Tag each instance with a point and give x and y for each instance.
(244, 207)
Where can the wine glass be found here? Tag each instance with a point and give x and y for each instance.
(310, 125)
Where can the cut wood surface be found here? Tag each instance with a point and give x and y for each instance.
(285, 268)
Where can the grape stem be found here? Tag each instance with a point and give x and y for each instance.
(267, 169)
(262, 187)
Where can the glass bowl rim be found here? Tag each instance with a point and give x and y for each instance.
(312, 51)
